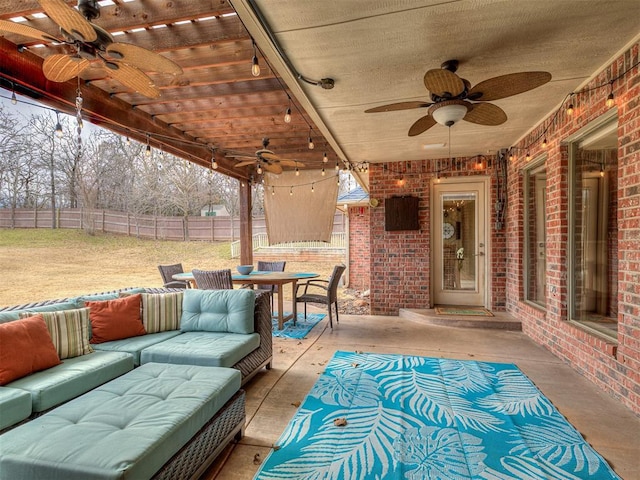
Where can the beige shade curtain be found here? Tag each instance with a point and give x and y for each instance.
(301, 207)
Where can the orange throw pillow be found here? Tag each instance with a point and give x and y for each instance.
(25, 347)
(115, 319)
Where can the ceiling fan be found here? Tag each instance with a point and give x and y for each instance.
(264, 159)
(452, 97)
(91, 45)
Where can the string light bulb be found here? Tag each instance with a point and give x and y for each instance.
(14, 99)
(255, 66)
(313, 187)
(311, 145)
(323, 172)
(528, 157)
(297, 171)
(544, 143)
(259, 170)
(291, 191)
(325, 159)
(602, 170)
(570, 109)
(147, 152)
(128, 141)
(273, 190)
(337, 166)
(287, 115)
(610, 100)
(214, 164)
(59, 131)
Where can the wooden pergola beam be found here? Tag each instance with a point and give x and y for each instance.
(24, 68)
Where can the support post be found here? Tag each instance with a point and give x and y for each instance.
(246, 228)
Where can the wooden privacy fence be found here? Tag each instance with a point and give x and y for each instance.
(141, 226)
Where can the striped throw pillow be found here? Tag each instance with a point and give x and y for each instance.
(161, 311)
(69, 330)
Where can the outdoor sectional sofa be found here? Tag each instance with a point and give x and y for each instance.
(161, 402)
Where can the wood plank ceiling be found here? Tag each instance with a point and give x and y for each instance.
(216, 104)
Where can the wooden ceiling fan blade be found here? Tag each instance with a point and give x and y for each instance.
(291, 163)
(421, 125)
(269, 155)
(142, 58)
(26, 31)
(277, 169)
(392, 107)
(486, 114)
(245, 163)
(69, 19)
(443, 83)
(508, 85)
(61, 68)
(135, 79)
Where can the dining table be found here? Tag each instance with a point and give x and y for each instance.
(259, 277)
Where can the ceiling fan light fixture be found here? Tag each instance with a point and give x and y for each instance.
(448, 113)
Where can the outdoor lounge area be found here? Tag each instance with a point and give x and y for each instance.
(486, 158)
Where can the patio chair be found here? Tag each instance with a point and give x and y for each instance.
(329, 296)
(167, 272)
(270, 267)
(213, 279)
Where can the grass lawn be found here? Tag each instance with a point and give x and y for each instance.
(42, 264)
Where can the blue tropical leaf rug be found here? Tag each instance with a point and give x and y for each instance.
(300, 329)
(410, 417)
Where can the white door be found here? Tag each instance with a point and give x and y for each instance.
(459, 239)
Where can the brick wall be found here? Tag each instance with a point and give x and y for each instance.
(613, 366)
(400, 260)
(359, 248)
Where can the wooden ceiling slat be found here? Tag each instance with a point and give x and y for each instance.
(205, 92)
(126, 16)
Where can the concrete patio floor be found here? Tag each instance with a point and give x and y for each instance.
(273, 396)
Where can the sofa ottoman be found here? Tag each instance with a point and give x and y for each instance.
(128, 428)
(15, 406)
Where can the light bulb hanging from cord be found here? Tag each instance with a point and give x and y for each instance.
(323, 172)
(147, 152)
(287, 114)
(128, 141)
(570, 109)
(311, 145)
(14, 99)
(325, 159)
(610, 98)
(59, 131)
(255, 66)
(291, 191)
(337, 166)
(273, 190)
(313, 185)
(544, 142)
(214, 164)
(297, 171)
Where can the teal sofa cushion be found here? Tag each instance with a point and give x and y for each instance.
(203, 348)
(73, 377)
(12, 315)
(126, 429)
(135, 345)
(218, 311)
(15, 406)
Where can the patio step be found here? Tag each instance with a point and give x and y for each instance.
(428, 316)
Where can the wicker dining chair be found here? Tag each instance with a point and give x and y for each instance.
(329, 296)
(264, 266)
(213, 279)
(167, 272)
